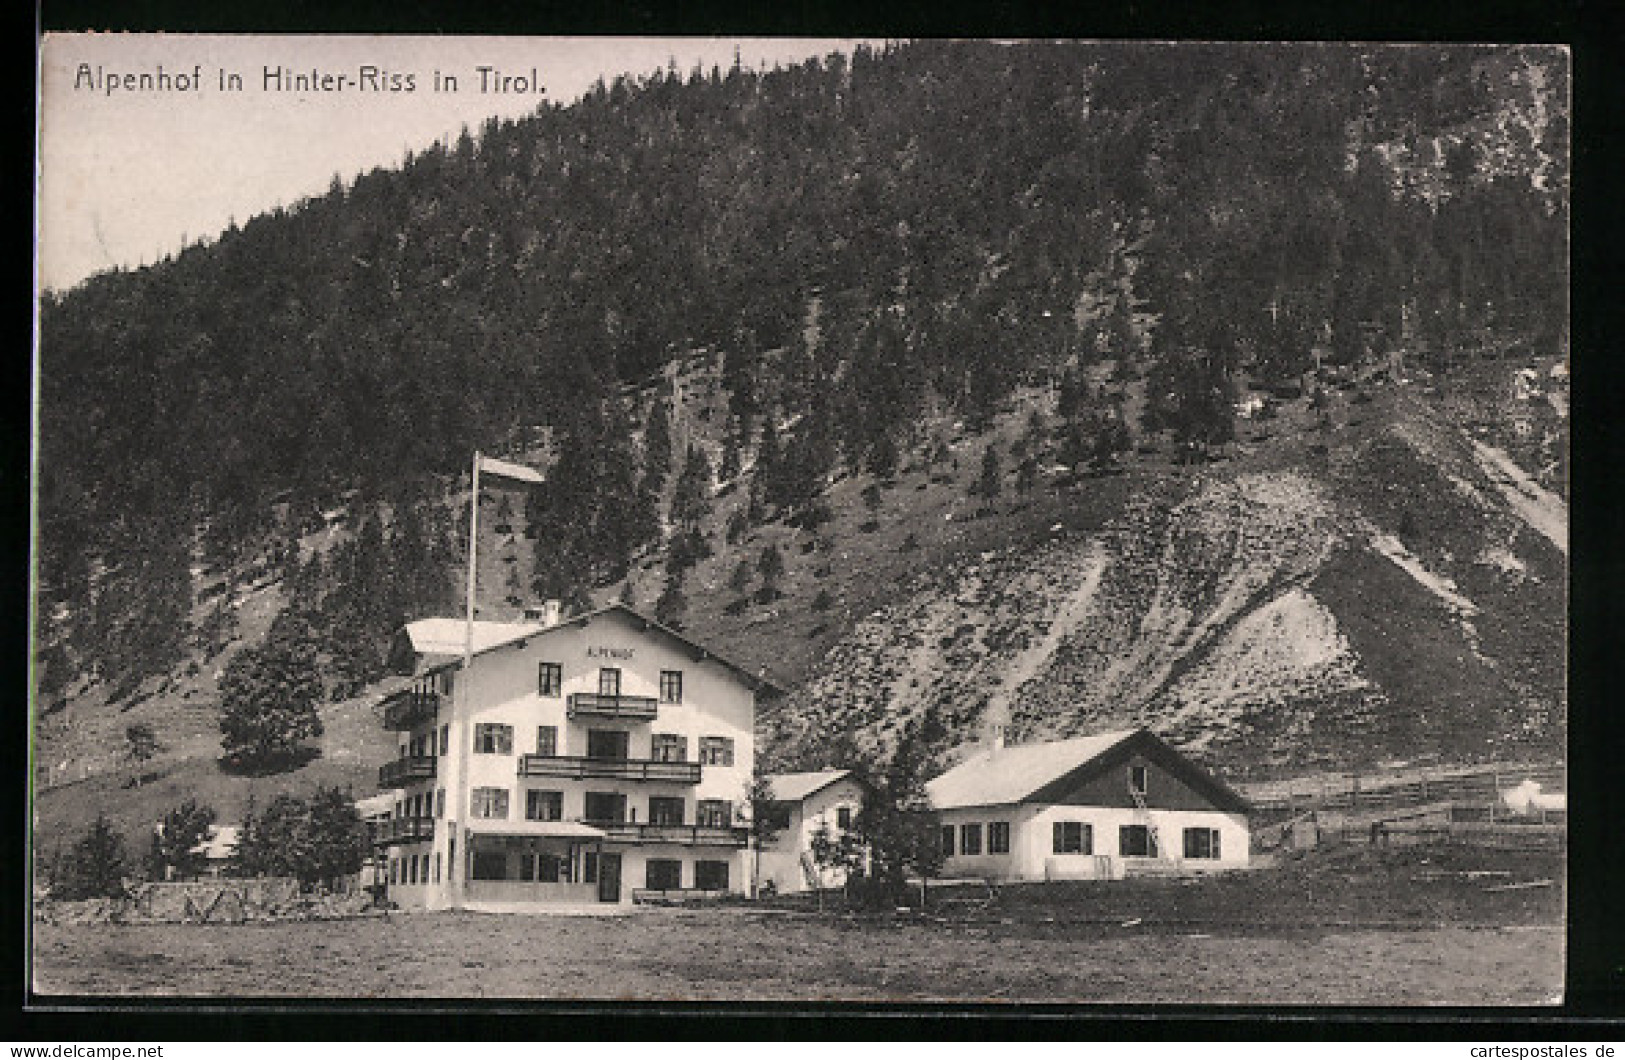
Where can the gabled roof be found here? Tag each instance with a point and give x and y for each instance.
(1042, 772)
(1011, 774)
(794, 787)
(757, 681)
(445, 636)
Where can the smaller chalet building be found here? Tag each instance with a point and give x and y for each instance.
(803, 801)
(1096, 807)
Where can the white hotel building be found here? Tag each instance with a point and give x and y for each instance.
(576, 760)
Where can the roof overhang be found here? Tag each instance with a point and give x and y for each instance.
(546, 829)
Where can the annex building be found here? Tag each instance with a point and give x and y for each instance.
(1095, 807)
(802, 803)
(576, 760)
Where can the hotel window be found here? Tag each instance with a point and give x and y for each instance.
(711, 875)
(440, 803)
(1137, 780)
(527, 867)
(544, 805)
(1201, 842)
(549, 679)
(609, 743)
(609, 681)
(664, 874)
(492, 739)
(448, 680)
(998, 837)
(491, 803)
(445, 739)
(606, 806)
(1134, 841)
(843, 817)
(668, 747)
(437, 867)
(716, 751)
(547, 868)
(665, 809)
(946, 838)
(970, 839)
(547, 740)
(671, 686)
(394, 863)
(714, 813)
(1074, 837)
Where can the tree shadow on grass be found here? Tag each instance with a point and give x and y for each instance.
(270, 765)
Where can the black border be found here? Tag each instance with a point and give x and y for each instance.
(1595, 1005)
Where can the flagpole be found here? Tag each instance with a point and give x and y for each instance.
(462, 691)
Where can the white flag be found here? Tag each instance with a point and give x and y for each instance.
(503, 469)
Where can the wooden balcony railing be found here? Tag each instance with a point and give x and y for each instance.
(686, 834)
(405, 830)
(409, 709)
(597, 705)
(576, 768)
(404, 771)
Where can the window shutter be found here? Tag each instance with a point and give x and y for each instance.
(1060, 837)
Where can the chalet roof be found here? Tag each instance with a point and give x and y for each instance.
(1012, 774)
(794, 787)
(757, 681)
(445, 636)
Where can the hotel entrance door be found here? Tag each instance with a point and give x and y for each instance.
(609, 877)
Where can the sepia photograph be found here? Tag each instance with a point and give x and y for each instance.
(789, 520)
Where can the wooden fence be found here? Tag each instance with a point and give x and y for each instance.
(1374, 791)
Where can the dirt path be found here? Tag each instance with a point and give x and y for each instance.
(1031, 661)
(1539, 507)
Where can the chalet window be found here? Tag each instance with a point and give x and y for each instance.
(668, 747)
(549, 679)
(1074, 837)
(998, 837)
(445, 739)
(606, 806)
(664, 809)
(711, 875)
(547, 740)
(492, 739)
(490, 865)
(946, 838)
(716, 751)
(970, 839)
(608, 743)
(1137, 780)
(671, 686)
(714, 813)
(1134, 841)
(440, 802)
(491, 803)
(544, 805)
(843, 817)
(609, 681)
(1201, 842)
(664, 874)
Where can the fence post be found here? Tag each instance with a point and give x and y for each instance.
(1495, 779)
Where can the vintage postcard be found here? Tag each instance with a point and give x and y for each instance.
(882, 521)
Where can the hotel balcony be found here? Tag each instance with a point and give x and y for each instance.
(405, 830)
(410, 708)
(404, 771)
(686, 834)
(572, 768)
(625, 708)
